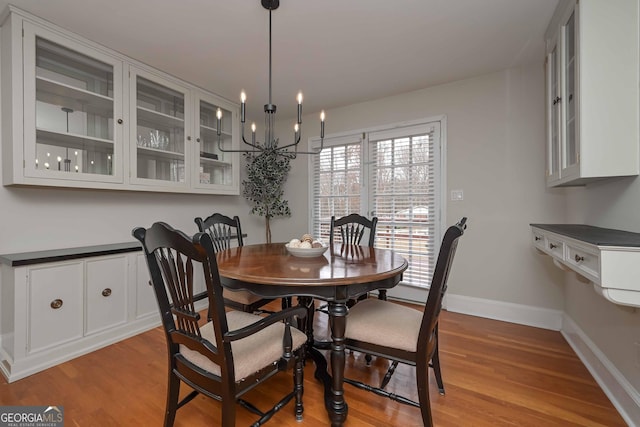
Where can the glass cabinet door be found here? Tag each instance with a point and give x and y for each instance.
(72, 109)
(553, 115)
(157, 137)
(569, 72)
(215, 167)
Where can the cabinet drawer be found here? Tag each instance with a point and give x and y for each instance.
(106, 281)
(55, 311)
(554, 246)
(538, 239)
(584, 261)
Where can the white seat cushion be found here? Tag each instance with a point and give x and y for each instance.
(249, 354)
(242, 297)
(384, 323)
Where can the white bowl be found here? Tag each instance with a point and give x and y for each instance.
(306, 252)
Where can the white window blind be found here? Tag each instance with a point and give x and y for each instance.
(337, 182)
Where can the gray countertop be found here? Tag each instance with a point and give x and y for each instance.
(594, 235)
(53, 255)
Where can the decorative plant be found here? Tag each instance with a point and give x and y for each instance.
(267, 172)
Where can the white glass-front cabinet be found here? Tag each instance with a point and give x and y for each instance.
(592, 92)
(77, 114)
(158, 144)
(71, 110)
(215, 168)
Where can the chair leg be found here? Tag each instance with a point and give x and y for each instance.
(298, 381)
(228, 408)
(422, 380)
(435, 363)
(173, 391)
(387, 376)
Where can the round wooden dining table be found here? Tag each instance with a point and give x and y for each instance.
(343, 272)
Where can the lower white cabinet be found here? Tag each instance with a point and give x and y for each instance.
(53, 311)
(54, 305)
(105, 293)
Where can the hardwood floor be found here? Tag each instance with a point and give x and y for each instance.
(495, 374)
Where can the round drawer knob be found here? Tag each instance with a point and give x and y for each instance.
(578, 258)
(120, 121)
(56, 303)
(106, 292)
(552, 246)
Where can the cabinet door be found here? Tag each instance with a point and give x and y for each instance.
(55, 305)
(146, 302)
(569, 96)
(106, 299)
(553, 114)
(160, 113)
(215, 169)
(72, 109)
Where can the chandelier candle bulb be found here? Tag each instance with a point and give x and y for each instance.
(219, 121)
(243, 99)
(253, 133)
(322, 124)
(299, 107)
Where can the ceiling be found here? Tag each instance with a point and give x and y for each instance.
(337, 52)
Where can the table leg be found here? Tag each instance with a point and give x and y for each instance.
(337, 406)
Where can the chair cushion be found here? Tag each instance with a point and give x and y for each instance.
(384, 323)
(242, 297)
(250, 354)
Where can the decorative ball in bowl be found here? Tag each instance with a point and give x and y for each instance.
(306, 247)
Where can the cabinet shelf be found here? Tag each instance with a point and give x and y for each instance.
(155, 153)
(210, 132)
(151, 118)
(74, 141)
(52, 92)
(214, 162)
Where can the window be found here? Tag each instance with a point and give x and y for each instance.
(394, 174)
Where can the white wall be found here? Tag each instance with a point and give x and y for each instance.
(614, 329)
(495, 153)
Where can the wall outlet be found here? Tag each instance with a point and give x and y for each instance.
(457, 195)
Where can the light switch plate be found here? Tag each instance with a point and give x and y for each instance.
(457, 195)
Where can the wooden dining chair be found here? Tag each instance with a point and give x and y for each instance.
(403, 334)
(226, 232)
(227, 354)
(352, 229)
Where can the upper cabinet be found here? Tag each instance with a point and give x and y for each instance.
(592, 91)
(76, 114)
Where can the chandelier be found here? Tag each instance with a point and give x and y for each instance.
(270, 143)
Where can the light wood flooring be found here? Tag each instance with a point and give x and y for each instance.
(495, 374)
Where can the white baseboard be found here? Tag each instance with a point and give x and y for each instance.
(622, 394)
(508, 312)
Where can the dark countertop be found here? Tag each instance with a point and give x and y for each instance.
(594, 235)
(39, 257)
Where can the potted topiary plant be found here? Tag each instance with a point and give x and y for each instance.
(267, 172)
